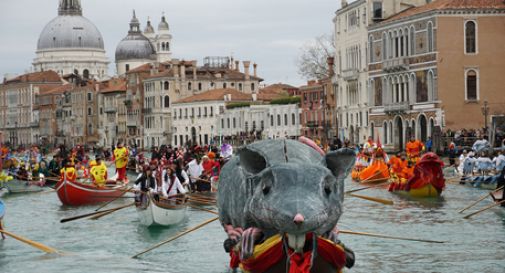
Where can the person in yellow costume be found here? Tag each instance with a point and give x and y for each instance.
(121, 159)
(68, 172)
(98, 172)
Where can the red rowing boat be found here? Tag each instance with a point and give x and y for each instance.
(79, 194)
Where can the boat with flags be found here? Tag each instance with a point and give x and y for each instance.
(160, 211)
(371, 167)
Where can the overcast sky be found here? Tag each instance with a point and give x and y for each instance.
(268, 32)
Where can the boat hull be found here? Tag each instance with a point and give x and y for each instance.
(427, 191)
(2, 209)
(78, 194)
(157, 215)
(18, 186)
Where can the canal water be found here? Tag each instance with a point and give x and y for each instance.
(106, 245)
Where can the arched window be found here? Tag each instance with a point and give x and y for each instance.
(471, 85)
(205, 112)
(370, 49)
(167, 101)
(85, 74)
(228, 123)
(278, 120)
(272, 120)
(285, 119)
(167, 46)
(212, 111)
(412, 42)
(293, 119)
(431, 86)
(90, 112)
(189, 86)
(199, 86)
(384, 46)
(385, 132)
(470, 37)
(234, 123)
(166, 85)
(430, 37)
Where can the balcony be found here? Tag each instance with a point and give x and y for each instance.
(399, 107)
(350, 74)
(110, 109)
(312, 124)
(396, 65)
(132, 123)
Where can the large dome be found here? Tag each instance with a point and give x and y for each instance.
(70, 31)
(134, 46)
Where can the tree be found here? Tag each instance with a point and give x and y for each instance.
(312, 62)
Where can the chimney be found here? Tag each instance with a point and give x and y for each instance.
(237, 63)
(331, 64)
(231, 63)
(247, 64)
(254, 96)
(176, 68)
(193, 63)
(183, 71)
(255, 66)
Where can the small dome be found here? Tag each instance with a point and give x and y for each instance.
(135, 46)
(163, 24)
(149, 28)
(70, 31)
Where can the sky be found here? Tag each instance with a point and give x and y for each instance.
(268, 32)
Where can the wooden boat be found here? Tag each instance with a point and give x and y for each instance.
(79, 194)
(23, 185)
(428, 180)
(161, 212)
(480, 182)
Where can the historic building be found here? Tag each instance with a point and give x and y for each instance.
(139, 48)
(112, 112)
(313, 110)
(19, 113)
(70, 43)
(351, 37)
(433, 67)
(198, 119)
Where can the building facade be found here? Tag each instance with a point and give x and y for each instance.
(70, 43)
(351, 38)
(426, 70)
(112, 112)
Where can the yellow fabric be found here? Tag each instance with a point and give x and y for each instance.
(121, 156)
(269, 243)
(99, 174)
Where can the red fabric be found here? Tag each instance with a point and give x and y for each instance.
(234, 260)
(299, 263)
(428, 171)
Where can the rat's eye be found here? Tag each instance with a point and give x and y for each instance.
(327, 189)
(267, 185)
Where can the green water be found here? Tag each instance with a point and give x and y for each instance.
(106, 245)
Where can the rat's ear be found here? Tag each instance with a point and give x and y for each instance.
(340, 162)
(252, 161)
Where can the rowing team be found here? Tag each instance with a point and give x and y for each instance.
(169, 178)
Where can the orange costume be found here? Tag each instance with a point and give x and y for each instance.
(377, 170)
(414, 149)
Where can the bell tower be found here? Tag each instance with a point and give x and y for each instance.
(164, 41)
(70, 7)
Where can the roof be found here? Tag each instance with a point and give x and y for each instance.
(271, 93)
(36, 77)
(56, 90)
(114, 85)
(217, 95)
(449, 5)
(281, 86)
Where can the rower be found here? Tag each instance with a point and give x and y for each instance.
(144, 184)
(171, 184)
(121, 159)
(414, 148)
(98, 172)
(68, 172)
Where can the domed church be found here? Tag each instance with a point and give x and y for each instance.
(70, 43)
(139, 48)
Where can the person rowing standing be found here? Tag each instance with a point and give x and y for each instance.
(171, 185)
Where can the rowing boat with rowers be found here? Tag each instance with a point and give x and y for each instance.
(160, 211)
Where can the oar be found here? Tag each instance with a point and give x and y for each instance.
(480, 199)
(30, 242)
(388, 236)
(484, 209)
(100, 215)
(202, 209)
(374, 199)
(369, 187)
(86, 215)
(201, 202)
(176, 236)
(123, 193)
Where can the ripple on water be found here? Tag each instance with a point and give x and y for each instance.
(106, 245)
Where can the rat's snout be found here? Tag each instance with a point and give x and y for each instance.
(299, 219)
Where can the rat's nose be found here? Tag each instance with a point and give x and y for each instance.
(299, 219)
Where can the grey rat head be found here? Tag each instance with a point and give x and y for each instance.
(295, 199)
(296, 196)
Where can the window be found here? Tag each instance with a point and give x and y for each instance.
(167, 101)
(377, 10)
(199, 86)
(127, 67)
(370, 49)
(240, 86)
(272, 120)
(222, 123)
(166, 85)
(224, 85)
(384, 46)
(430, 37)
(192, 112)
(412, 38)
(189, 86)
(85, 74)
(228, 123)
(211, 111)
(293, 119)
(90, 112)
(205, 112)
(471, 85)
(278, 120)
(470, 37)
(234, 123)
(90, 96)
(252, 86)
(285, 119)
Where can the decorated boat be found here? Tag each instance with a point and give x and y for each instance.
(428, 179)
(377, 172)
(160, 211)
(73, 193)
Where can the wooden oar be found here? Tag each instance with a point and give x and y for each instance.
(100, 215)
(202, 209)
(369, 187)
(374, 199)
(388, 236)
(176, 236)
(480, 199)
(86, 215)
(201, 199)
(30, 242)
(484, 209)
(123, 193)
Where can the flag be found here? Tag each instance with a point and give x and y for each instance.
(379, 144)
